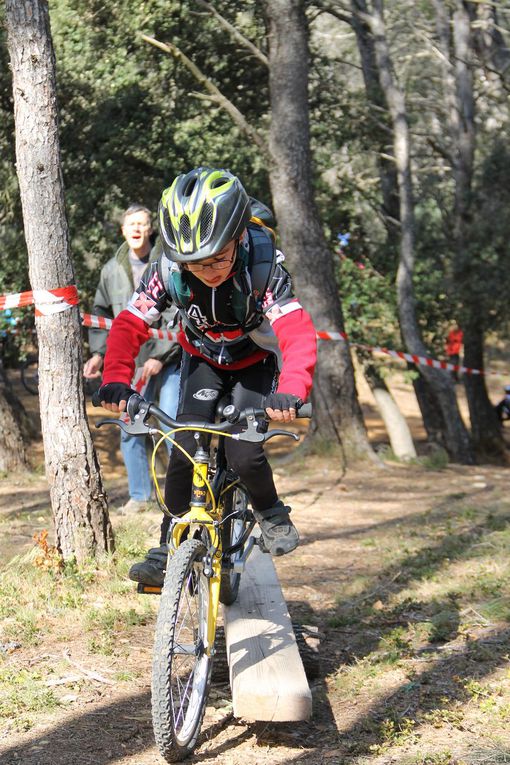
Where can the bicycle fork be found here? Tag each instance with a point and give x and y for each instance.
(192, 524)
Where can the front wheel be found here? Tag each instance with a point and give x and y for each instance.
(235, 529)
(182, 662)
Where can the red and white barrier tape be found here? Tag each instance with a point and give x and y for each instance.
(101, 322)
(413, 358)
(48, 302)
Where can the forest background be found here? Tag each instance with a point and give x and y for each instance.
(405, 116)
(407, 107)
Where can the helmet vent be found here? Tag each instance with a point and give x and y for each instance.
(185, 228)
(206, 219)
(188, 190)
(219, 182)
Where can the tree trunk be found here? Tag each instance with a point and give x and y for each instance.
(13, 457)
(82, 526)
(429, 408)
(337, 414)
(388, 177)
(485, 427)
(456, 437)
(15, 428)
(458, 55)
(395, 423)
(380, 134)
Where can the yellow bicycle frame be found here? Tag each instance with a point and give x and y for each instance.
(197, 518)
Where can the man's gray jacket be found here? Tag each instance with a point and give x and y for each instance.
(113, 293)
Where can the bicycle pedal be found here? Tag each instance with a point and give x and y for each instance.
(148, 589)
(260, 542)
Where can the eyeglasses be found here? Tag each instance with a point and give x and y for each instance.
(216, 265)
(143, 226)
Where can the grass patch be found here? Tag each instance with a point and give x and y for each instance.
(35, 601)
(24, 693)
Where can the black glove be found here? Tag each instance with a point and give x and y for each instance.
(282, 401)
(114, 393)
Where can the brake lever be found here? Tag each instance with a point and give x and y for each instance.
(272, 433)
(138, 428)
(252, 435)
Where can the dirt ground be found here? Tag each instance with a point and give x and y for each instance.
(350, 522)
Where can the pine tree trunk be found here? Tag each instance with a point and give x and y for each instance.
(82, 526)
(12, 449)
(455, 435)
(401, 441)
(485, 428)
(13, 428)
(430, 410)
(459, 89)
(337, 414)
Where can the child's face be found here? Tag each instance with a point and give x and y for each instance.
(215, 270)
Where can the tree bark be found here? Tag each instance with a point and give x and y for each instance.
(337, 414)
(485, 427)
(458, 55)
(378, 106)
(456, 437)
(401, 441)
(82, 526)
(13, 456)
(15, 428)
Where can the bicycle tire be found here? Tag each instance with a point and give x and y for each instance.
(232, 530)
(30, 375)
(181, 669)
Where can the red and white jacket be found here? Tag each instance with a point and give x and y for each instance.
(232, 326)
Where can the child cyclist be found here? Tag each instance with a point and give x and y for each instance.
(242, 332)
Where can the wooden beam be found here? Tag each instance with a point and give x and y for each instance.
(267, 677)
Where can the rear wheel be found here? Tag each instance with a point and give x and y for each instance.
(182, 663)
(235, 529)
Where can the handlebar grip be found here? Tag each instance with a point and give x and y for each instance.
(133, 405)
(96, 399)
(305, 410)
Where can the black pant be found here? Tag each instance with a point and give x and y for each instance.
(202, 386)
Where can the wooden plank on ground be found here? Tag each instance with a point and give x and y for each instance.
(267, 677)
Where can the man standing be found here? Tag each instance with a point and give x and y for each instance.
(158, 361)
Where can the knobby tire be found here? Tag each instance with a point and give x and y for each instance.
(181, 670)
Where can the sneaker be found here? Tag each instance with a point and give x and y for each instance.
(151, 571)
(279, 535)
(133, 506)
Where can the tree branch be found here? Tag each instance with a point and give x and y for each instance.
(214, 93)
(233, 32)
(343, 14)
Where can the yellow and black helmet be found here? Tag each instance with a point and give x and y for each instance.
(201, 212)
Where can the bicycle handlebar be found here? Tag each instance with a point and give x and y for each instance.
(139, 411)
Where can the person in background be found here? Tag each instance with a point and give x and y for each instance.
(243, 334)
(452, 348)
(157, 365)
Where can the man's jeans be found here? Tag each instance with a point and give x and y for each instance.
(134, 449)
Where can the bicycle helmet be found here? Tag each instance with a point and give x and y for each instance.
(201, 212)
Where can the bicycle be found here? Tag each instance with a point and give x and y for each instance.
(207, 551)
